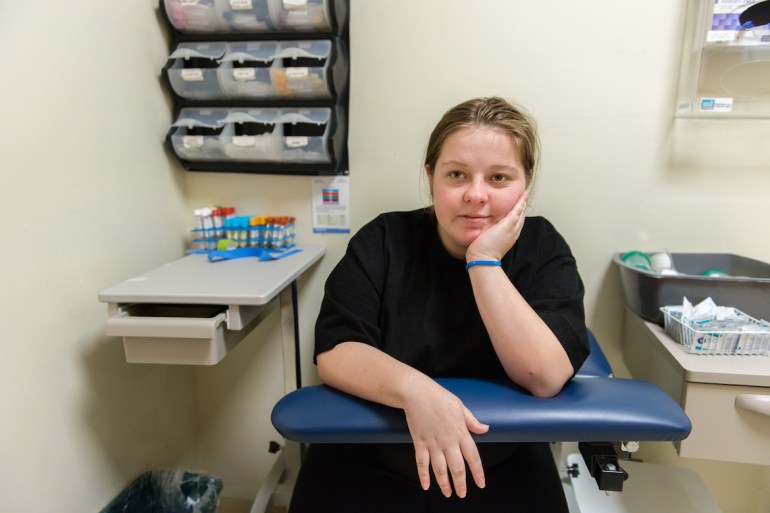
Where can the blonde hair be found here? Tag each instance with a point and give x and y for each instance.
(490, 112)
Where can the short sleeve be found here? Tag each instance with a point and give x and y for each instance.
(350, 310)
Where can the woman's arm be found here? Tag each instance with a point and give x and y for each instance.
(440, 425)
(530, 353)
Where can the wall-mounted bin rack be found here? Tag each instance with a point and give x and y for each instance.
(725, 69)
(265, 16)
(259, 86)
(261, 70)
(208, 137)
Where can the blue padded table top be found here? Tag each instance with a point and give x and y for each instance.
(588, 409)
(596, 364)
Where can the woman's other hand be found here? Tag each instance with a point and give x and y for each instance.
(441, 428)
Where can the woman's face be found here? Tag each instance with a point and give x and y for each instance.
(477, 180)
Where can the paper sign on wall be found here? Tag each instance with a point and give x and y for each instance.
(331, 204)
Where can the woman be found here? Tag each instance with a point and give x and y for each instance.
(465, 288)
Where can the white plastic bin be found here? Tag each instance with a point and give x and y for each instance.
(309, 69)
(195, 134)
(252, 135)
(245, 69)
(306, 134)
(258, 16)
(246, 15)
(195, 16)
(304, 15)
(315, 70)
(192, 70)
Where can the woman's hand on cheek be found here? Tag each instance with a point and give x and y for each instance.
(500, 238)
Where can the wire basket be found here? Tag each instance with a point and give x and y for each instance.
(748, 336)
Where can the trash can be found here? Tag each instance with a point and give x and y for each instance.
(168, 491)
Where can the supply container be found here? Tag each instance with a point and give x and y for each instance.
(309, 134)
(201, 16)
(246, 15)
(729, 279)
(252, 135)
(744, 335)
(192, 70)
(284, 135)
(245, 70)
(310, 70)
(256, 16)
(307, 15)
(195, 134)
(307, 70)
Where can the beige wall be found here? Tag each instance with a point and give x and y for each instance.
(90, 198)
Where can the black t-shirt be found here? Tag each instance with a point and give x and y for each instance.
(398, 289)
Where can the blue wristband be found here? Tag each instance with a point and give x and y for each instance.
(494, 263)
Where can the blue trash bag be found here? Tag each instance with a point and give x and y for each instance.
(168, 491)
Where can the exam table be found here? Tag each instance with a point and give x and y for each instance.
(605, 415)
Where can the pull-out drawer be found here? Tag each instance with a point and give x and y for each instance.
(182, 334)
(730, 423)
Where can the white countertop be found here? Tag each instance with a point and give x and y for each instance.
(194, 280)
(749, 370)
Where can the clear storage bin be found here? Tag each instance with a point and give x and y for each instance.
(195, 16)
(192, 70)
(258, 16)
(286, 136)
(304, 15)
(246, 15)
(252, 135)
(258, 70)
(195, 135)
(306, 134)
(245, 70)
(309, 69)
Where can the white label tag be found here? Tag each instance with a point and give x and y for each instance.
(296, 141)
(240, 5)
(192, 142)
(296, 73)
(244, 74)
(244, 140)
(192, 75)
(293, 4)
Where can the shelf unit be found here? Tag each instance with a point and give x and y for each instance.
(258, 86)
(725, 69)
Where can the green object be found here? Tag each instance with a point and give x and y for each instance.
(637, 260)
(716, 273)
(168, 491)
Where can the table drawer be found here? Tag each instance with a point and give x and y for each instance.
(182, 334)
(730, 423)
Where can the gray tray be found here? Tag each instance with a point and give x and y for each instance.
(747, 288)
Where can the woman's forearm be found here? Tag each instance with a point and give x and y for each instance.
(530, 353)
(365, 371)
